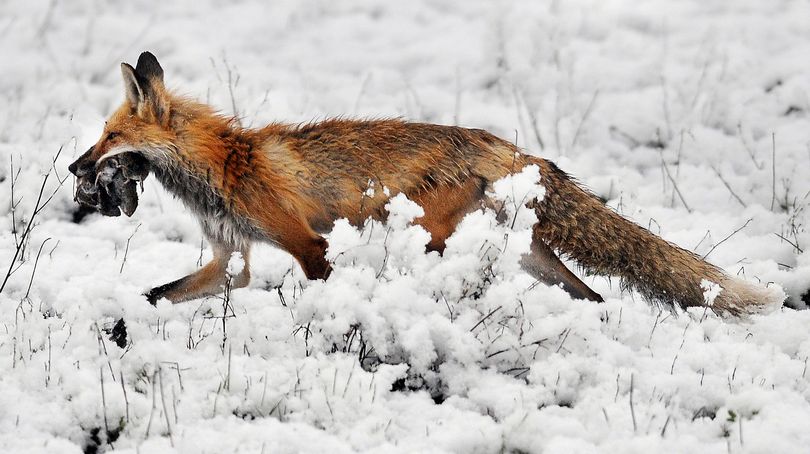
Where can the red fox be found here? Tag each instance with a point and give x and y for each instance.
(286, 185)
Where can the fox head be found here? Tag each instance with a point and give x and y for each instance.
(139, 128)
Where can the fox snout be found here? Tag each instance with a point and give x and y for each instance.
(83, 166)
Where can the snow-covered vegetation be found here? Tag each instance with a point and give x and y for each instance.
(690, 118)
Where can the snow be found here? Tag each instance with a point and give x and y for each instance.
(688, 117)
(711, 291)
(235, 264)
(515, 191)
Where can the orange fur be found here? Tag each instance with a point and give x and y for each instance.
(286, 184)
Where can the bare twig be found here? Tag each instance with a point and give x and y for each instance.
(34, 271)
(103, 400)
(231, 84)
(200, 258)
(457, 104)
(411, 94)
(533, 123)
(748, 149)
(154, 404)
(521, 121)
(773, 170)
(228, 374)
(38, 207)
(795, 245)
(728, 186)
(48, 367)
(46, 23)
(632, 410)
(726, 238)
(165, 410)
(13, 207)
(102, 349)
(259, 107)
(492, 312)
(674, 184)
(665, 107)
(361, 92)
(562, 342)
(233, 80)
(584, 118)
(124, 389)
(126, 249)
(666, 423)
(226, 303)
(24, 234)
(655, 325)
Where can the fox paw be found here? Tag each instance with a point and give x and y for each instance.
(154, 295)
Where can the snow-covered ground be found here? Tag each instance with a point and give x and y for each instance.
(690, 117)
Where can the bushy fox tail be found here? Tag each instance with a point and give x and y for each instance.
(577, 224)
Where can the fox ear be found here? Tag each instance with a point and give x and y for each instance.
(144, 87)
(149, 68)
(132, 86)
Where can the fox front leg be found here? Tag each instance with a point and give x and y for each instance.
(210, 280)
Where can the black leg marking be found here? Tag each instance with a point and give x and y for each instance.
(154, 295)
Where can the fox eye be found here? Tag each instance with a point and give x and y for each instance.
(112, 135)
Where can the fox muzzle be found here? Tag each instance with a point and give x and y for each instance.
(83, 165)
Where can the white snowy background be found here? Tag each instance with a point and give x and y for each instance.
(690, 117)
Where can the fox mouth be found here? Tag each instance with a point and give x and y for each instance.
(112, 186)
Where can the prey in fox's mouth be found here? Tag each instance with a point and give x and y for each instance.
(112, 187)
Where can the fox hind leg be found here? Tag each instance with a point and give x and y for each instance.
(209, 280)
(544, 265)
(449, 205)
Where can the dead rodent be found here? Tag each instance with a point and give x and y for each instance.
(112, 187)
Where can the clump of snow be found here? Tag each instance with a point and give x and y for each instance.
(369, 192)
(516, 191)
(235, 264)
(711, 290)
(402, 211)
(677, 114)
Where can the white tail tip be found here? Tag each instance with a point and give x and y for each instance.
(739, 297)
